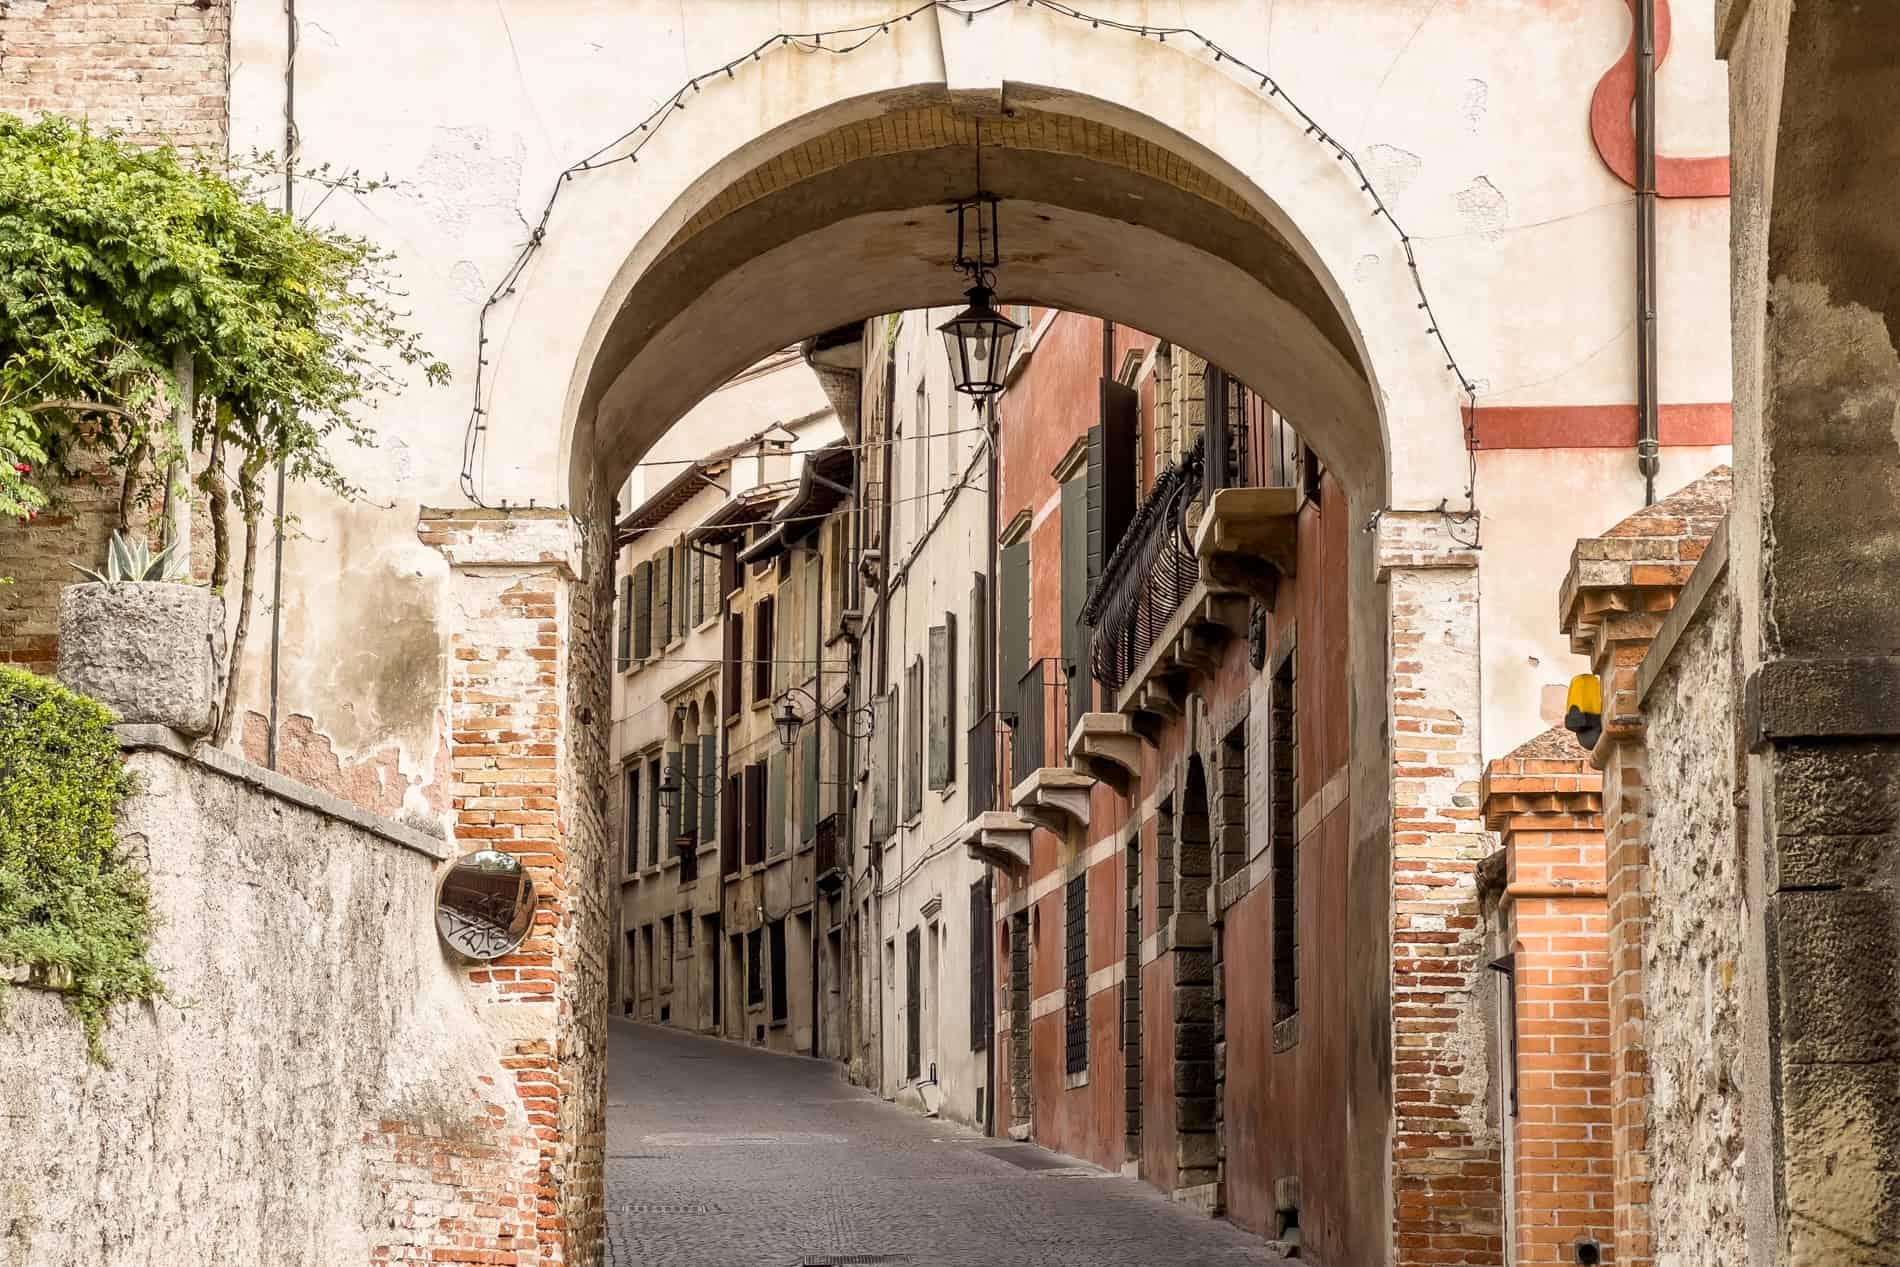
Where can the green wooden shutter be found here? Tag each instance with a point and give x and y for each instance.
(1075, 584)
(653, 813)
(663, 598)
(808, 785)
(883, 774)
(709, 785)
(689, 791)
(755, 812)
(979, 639)
(914, 738)
(943, 702)
(642, 609)
(784, 639)
(624, 650)
(775, 804)
(1012, 650)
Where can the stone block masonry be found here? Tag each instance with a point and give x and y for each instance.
(317, 1088)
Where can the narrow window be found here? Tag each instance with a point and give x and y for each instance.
(754, 976)
(653, 814)
(1075, 984)
(981, 935)
(1284, 808)
(781, 1005)
(624, 646)
(913, 998)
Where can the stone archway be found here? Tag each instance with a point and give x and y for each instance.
(822, 204)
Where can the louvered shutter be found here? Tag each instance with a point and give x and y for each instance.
(624, 646)
(914, 738)
(642, 609)
(708, 785)
(776, 804)
(689, 790)
(755, 812)
(982, 936)
(662, 599)
(808, 785)
(1075, 584)
(979, 639)
(1012, 612)
(943, 702)
(883, 774)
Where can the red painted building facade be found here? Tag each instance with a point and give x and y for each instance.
(1173, 691)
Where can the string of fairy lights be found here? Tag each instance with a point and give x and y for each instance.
(841, 41)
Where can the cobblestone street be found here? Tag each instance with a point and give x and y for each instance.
(724, 1156)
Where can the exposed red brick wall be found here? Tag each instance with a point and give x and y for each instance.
(1446, 1159)
(1546, 799)
(1620, 587)
(157, 70)
(526, 691)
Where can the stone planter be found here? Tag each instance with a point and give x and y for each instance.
(152, 651)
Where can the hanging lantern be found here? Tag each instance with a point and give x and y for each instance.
(788, 721)
(979, 340)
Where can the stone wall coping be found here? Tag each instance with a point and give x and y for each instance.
(1708, 570)
(164, 739)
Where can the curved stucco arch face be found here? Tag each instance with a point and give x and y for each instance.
(1094, 219)
(1147, 186)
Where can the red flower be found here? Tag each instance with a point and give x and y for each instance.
(23, 468)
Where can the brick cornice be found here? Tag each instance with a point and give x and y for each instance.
(1542, 794)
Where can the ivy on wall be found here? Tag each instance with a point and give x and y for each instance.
(73, 908)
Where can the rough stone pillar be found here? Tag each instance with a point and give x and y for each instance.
(1620, 587)
(1815, 562)
(526, 689)
(1446, 1164)
(1546, 800)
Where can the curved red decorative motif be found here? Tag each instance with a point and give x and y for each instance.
(1614, 131)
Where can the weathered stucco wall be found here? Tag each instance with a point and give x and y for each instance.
(314, 1078)
(1692, 956)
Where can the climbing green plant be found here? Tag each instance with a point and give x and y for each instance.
(116, 262)
(73, 908)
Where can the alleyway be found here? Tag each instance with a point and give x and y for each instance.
(723, 1156)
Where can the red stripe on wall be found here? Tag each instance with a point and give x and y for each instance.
(1595, 426)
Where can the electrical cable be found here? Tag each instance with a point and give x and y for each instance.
(857, 37)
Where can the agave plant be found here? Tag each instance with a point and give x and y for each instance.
(134, 561)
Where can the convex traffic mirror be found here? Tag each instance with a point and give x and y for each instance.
(485, 905)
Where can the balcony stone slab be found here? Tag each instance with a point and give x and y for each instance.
(1107, 746)
(1054, 797)
(1248, 539)
(999, 838)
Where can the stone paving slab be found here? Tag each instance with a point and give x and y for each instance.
(720, 1155)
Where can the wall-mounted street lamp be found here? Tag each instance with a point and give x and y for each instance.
(669, 791)
(856, 723)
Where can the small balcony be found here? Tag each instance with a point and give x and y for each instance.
(994, 835)
(1046, 789)
(827, 861)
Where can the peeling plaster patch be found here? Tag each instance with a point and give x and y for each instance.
(1482, 208)
(376, 783)
(1363, 267)
(1391, 169)
(467, 280)
(467, 171)
(1477, 102)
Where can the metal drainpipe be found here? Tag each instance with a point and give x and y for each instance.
(1648, 458)
(277, 542)
(875, 857)
(993, 618)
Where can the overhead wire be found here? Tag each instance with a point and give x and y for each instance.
(849, 39)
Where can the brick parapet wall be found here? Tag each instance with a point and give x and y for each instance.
(1446, 1156)
(527, 711)
(1545, 800)
(1619, 589)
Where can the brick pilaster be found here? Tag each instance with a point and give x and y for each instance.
(1620, 587)
(521, 721)
(1446, 1167)
(1545, 800)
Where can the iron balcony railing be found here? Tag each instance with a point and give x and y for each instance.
(989, 761)
(826, 861)
(1148, 577)
(1040, 737)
